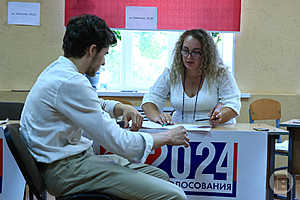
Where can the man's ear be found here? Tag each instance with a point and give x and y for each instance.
(92, 50)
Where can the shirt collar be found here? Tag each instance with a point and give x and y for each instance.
(65, 60)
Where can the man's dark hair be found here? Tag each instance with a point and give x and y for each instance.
(83, 31)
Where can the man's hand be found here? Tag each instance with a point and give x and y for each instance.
(129, 113)
(176, 136)
(179, 136)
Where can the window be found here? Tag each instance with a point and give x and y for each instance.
(141, 56)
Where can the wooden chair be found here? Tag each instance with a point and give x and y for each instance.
(31, 173)
(268, 109)
(265, 109)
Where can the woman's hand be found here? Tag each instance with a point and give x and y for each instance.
(162, 118)
(153, 114)
(221, 114)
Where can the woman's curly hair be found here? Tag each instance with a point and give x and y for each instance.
(211, 64)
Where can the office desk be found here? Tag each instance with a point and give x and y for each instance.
(293, 126)
(229, 162)
(12, 183)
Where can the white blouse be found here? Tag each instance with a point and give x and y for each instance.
(224, 90)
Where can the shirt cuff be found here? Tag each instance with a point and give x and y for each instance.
(234, 107)
(148, 139)
(109, 107)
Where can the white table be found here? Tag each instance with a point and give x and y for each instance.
(229, 162)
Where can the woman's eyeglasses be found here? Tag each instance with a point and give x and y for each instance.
(194, 54)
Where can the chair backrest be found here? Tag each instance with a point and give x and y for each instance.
(25, 161)
(11, 110)
(265, 109)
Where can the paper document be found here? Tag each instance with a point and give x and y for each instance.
(2, 122)
(152, 125)
(141, 18)
(23, 13)
(296, 121)
(283, 146)
(190, 127)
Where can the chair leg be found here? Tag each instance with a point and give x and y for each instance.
(30, 195)
(44, 196)
(294, 187)
(279, 140)
(24, 196)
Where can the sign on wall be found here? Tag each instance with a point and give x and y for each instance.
(23, 13)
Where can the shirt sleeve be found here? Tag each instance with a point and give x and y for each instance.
(108, 106)
(78, 101)
(159, 93)
(229, 92)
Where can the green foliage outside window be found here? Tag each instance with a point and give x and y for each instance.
(118, 34)
(217, 36)
(149, 46)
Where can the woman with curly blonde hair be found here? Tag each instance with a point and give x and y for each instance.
(198, 85)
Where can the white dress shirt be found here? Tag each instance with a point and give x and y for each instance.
(224, 89)
(62, 105)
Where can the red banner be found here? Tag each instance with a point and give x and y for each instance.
(212, 15)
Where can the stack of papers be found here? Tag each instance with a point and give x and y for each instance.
(283, 146)
(3, 121)
(296, 121)
(189, 127)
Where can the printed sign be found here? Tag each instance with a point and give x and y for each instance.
(217, 165)
(142, 18)
(23, 13)
(205, 168)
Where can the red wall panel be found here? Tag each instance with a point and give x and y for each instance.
(213, 15)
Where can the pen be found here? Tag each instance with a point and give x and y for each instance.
(164, 124)
(213, 110)
(121, 124)
(128, 91)
(202, 119)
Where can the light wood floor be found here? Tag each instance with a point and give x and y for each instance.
(280, 188)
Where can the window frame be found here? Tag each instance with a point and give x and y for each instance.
(127, 49)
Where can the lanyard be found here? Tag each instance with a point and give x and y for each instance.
(195, 106)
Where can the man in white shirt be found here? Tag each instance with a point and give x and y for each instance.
(62, 105)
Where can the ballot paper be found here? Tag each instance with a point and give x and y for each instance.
(202, 127)
(296, 121)
(283, 146)
(3, 121)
